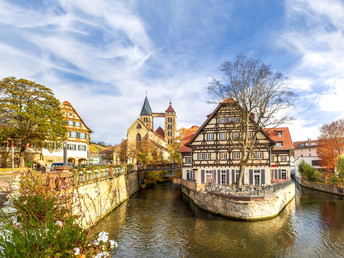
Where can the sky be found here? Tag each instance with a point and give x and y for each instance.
(103, 56)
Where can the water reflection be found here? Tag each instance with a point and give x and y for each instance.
(161, 222)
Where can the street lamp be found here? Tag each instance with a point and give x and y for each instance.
(64, 154)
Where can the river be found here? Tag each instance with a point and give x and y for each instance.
(162, 222)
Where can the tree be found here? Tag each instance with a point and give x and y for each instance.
(340, 169)
(29, 113)
(173, 148)
(258, 92)
(331, 144)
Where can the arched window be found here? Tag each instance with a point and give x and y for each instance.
(138, 126)
(138, 137)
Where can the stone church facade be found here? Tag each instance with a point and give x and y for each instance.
(143, 129)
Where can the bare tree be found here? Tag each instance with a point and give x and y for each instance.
(259, 93)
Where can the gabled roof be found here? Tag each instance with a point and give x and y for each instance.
(146, 109)
(223, 103)
(285, 138)
(170, 108)
(306, 144)
(161, 132)
(68, 104)
(187, 136)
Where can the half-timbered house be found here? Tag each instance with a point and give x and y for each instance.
(212, 153)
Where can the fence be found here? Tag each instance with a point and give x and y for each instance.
(89, 175)
(248, 191)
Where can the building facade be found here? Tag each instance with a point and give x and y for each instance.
(77, 140)
(211, 154)
(143, 130)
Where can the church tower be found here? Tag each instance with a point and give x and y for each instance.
(146, 114)
(170, 124)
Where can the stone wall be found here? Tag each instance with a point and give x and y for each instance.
(242, 210)
(333, 189)
(95, 200)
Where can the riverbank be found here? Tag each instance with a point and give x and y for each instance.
(332, 189)
(261, 208)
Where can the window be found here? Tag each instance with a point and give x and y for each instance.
(208, 176)
(71, 147)
(70, 114)
(235, 155)
(223, 136)
(284, 158)
(210, 136)
(138, 137)
(236, 179)
(200, 156)
(138, 126)
(72, 134)
(187, 160)
(279, 144)
(230, 119)
(222, 120)
(237, 119)
(315, 162)
(250, 135)
(188, 175)
(223, 177)
(279, 133)
(207, 156)
(223, 155)
(259, 154)
(235, 136)
(284, 173)
(4, 144)
(82, 147)
(63, 113)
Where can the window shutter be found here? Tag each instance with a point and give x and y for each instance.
(279, 174)
(251, 177)
(263, 176)
(233, 176)
(243, 175)
(219, 177)
(276, 174)
(227, 177)
(202, 177)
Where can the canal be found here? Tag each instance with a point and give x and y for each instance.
(162, 222)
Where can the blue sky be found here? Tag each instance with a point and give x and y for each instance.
(103, 55)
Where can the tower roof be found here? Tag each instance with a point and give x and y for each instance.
(170, 108)
(146, 109)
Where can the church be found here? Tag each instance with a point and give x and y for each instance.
(143, 129)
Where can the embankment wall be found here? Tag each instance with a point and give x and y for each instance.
(332, 189)
(225, 206)
(94, 200)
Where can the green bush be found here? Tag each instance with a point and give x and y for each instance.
(310, 172)
(44, 225)
(334, 180)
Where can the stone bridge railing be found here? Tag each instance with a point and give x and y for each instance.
(91, 175)
(248, 191)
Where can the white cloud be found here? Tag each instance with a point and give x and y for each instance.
(315, 32)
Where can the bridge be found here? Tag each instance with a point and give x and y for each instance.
(159, 167)
(170, 167)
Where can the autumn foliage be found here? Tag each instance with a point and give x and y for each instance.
(331, 144)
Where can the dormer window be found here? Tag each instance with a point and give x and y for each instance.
(279, 144)
(279, 133)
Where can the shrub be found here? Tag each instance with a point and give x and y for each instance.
(310, 172)
(334, 180)
(43, 225)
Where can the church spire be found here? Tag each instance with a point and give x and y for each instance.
(146, 109)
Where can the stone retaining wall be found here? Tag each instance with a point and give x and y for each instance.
(241, 210)
(332, 189)
(95, 200)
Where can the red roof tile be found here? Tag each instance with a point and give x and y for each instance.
(285, 138)
(161, 132)
(187, 136)
(170, 109)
